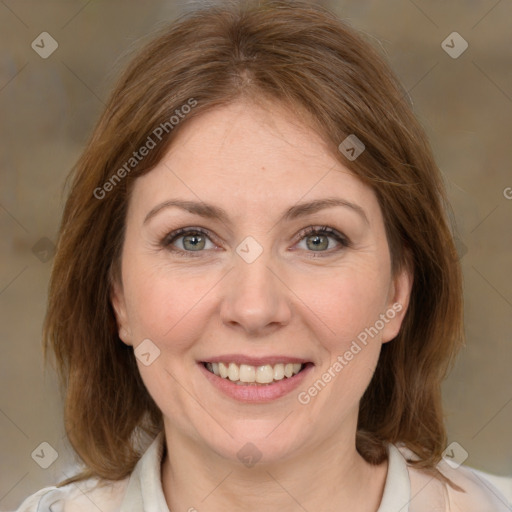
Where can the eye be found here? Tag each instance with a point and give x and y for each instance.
(195, 240)
(316, 238)
(192, 240)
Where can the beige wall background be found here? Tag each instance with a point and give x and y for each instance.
(49, 106)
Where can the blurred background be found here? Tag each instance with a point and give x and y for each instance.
(58, 62)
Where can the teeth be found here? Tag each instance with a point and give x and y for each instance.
(264, 374)
(247, 373)
(279, 371)
(259, 374)
(223, 370)
(233, 372)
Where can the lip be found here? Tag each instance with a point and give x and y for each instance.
(256, 394)
(255, 361)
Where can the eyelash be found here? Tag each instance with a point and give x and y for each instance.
(312, 230)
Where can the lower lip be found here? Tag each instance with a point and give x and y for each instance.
(258, 393)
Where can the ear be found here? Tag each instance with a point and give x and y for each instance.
(398, 302)
(118, 303)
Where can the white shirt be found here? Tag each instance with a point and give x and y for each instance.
(406, 490)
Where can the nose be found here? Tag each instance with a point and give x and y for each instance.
(255, 297)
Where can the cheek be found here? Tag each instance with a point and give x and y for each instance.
(164, 305)
(347, 301)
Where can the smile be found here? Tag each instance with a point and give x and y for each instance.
(245, 374)
(255, 379)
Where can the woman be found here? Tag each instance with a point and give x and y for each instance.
(256, 294)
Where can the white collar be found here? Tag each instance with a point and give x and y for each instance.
(144, 492)
(397, 489)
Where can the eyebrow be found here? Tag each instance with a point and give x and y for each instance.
(210, 211)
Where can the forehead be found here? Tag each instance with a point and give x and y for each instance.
(267, 135)
(244, 156)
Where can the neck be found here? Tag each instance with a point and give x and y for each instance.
(330, 476)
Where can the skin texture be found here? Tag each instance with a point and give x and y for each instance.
(295, 299)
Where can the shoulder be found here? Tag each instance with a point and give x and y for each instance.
(432, 495)
(82, 496)
(143, 485)
(479, 494)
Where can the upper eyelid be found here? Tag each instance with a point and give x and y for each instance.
(178, 233)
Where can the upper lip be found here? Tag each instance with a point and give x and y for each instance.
(254, 361)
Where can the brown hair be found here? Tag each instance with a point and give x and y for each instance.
(304, 57)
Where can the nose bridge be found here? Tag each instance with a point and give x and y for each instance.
(254, 298)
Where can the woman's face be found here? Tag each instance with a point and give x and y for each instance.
(245, 283)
